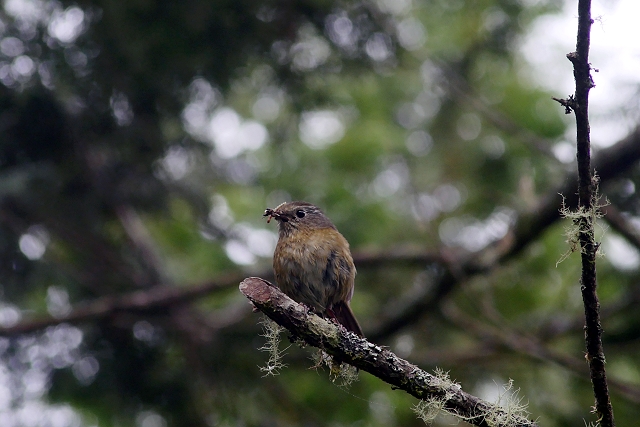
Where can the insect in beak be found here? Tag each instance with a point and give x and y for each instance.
(270, 213)
(273, 213)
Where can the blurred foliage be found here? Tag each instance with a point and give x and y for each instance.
(141, 142)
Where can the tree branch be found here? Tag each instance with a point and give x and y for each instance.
(587, 208)
(528, 345)
(140, 301)
(380, 362)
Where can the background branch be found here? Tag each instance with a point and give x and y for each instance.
(529, 345)
(140, 301)
(610, 163)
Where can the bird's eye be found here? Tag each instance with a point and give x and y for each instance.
(300, 213)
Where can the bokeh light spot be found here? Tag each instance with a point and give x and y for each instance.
(419, 143)
(67, 25)
(232, 135)
(150, 419)
(564, 151)
(469, 126)
(319, 129)
(239, 253)
(411, 34)
(620, 253)
(34, 242)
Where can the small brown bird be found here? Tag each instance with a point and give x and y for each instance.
(312, 262)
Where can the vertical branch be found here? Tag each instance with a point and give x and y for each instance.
(587, 197)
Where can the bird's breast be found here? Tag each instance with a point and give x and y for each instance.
(314, 267)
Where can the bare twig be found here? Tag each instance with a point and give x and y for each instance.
(587, 203)
(349, 348)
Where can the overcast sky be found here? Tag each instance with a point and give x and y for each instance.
(615, 52)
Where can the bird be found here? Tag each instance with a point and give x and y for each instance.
(312, 262)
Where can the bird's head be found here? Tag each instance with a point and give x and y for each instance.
(298, 216)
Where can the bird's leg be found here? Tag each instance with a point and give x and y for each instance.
(331, 315)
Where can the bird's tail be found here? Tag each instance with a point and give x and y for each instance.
(343, 314)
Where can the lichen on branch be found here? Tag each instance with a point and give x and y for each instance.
(347, 347)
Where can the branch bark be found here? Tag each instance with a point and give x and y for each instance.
(380, 362)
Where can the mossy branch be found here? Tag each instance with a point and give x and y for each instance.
(376, 360)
